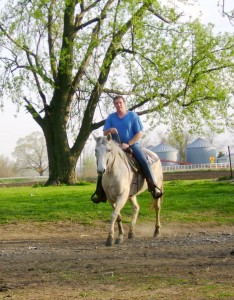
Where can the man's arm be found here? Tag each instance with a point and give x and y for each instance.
(136, 137)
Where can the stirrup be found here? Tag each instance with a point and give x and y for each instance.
(156, 193)
(98, 199)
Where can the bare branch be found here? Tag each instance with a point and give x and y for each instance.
(230, 14)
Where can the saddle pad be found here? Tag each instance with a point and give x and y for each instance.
(150, 156)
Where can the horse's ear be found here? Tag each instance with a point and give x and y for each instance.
(95, 136)
(109, 137)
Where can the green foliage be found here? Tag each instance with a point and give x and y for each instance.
(184, 201)
(175, 69)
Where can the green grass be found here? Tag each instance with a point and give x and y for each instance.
(21, 180)
(200, 200)
(184, 201)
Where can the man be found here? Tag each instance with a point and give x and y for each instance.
(126, 127)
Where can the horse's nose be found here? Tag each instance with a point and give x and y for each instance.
(101, 171)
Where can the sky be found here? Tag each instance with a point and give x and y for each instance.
(15, 125)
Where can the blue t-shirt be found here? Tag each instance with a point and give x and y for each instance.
(127, 127)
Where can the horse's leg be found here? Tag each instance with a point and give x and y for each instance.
(121, 230)
(156, 205)
(135, 211)
(121, 200)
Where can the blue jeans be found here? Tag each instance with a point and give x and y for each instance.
(139, 155)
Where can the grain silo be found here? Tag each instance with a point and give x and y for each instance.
(166, 153)
(200, 152)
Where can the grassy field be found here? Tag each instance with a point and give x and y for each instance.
(185, 201)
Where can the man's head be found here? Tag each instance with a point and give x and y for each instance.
(120, 104)
(117, 98)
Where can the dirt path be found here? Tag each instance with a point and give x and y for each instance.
(70, 261)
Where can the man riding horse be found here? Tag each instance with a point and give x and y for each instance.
(126, 128)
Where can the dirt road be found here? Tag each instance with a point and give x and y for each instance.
(70, 261)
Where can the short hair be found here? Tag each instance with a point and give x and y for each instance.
(119, 97)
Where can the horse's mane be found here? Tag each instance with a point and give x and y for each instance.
(115, 147)
(119, 151)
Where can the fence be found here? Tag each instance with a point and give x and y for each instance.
(214, 166)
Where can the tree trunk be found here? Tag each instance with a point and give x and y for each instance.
(62, 163)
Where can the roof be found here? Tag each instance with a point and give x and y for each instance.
(164, 148)
(200, 143)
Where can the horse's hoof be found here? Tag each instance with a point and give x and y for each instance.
(109, 241)
(156, 233)
(131, 235)
(119, 241)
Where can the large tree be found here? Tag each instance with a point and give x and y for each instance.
(30, 153)
(66, 59)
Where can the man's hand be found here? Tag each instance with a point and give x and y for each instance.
(113, 130)
(124, 146)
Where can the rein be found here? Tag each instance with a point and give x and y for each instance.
(118, 139)
(109, 169)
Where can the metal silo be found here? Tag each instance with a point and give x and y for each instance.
(166, 152)
(200, 152)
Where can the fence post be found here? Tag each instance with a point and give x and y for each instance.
(230, 161)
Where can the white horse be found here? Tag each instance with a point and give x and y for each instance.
(121, 182)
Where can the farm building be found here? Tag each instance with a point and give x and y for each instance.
(225, 159)
(200, 152)
(166, 153)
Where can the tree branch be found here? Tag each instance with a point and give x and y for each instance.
(158, 15)
(89, 22)
(53, 64)
(29, 53)
(80, 16)
(168, 21)
(42, 95)
(89, 51)
(97, 125)
(33, 112)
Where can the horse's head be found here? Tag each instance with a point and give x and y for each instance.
(103, 152)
